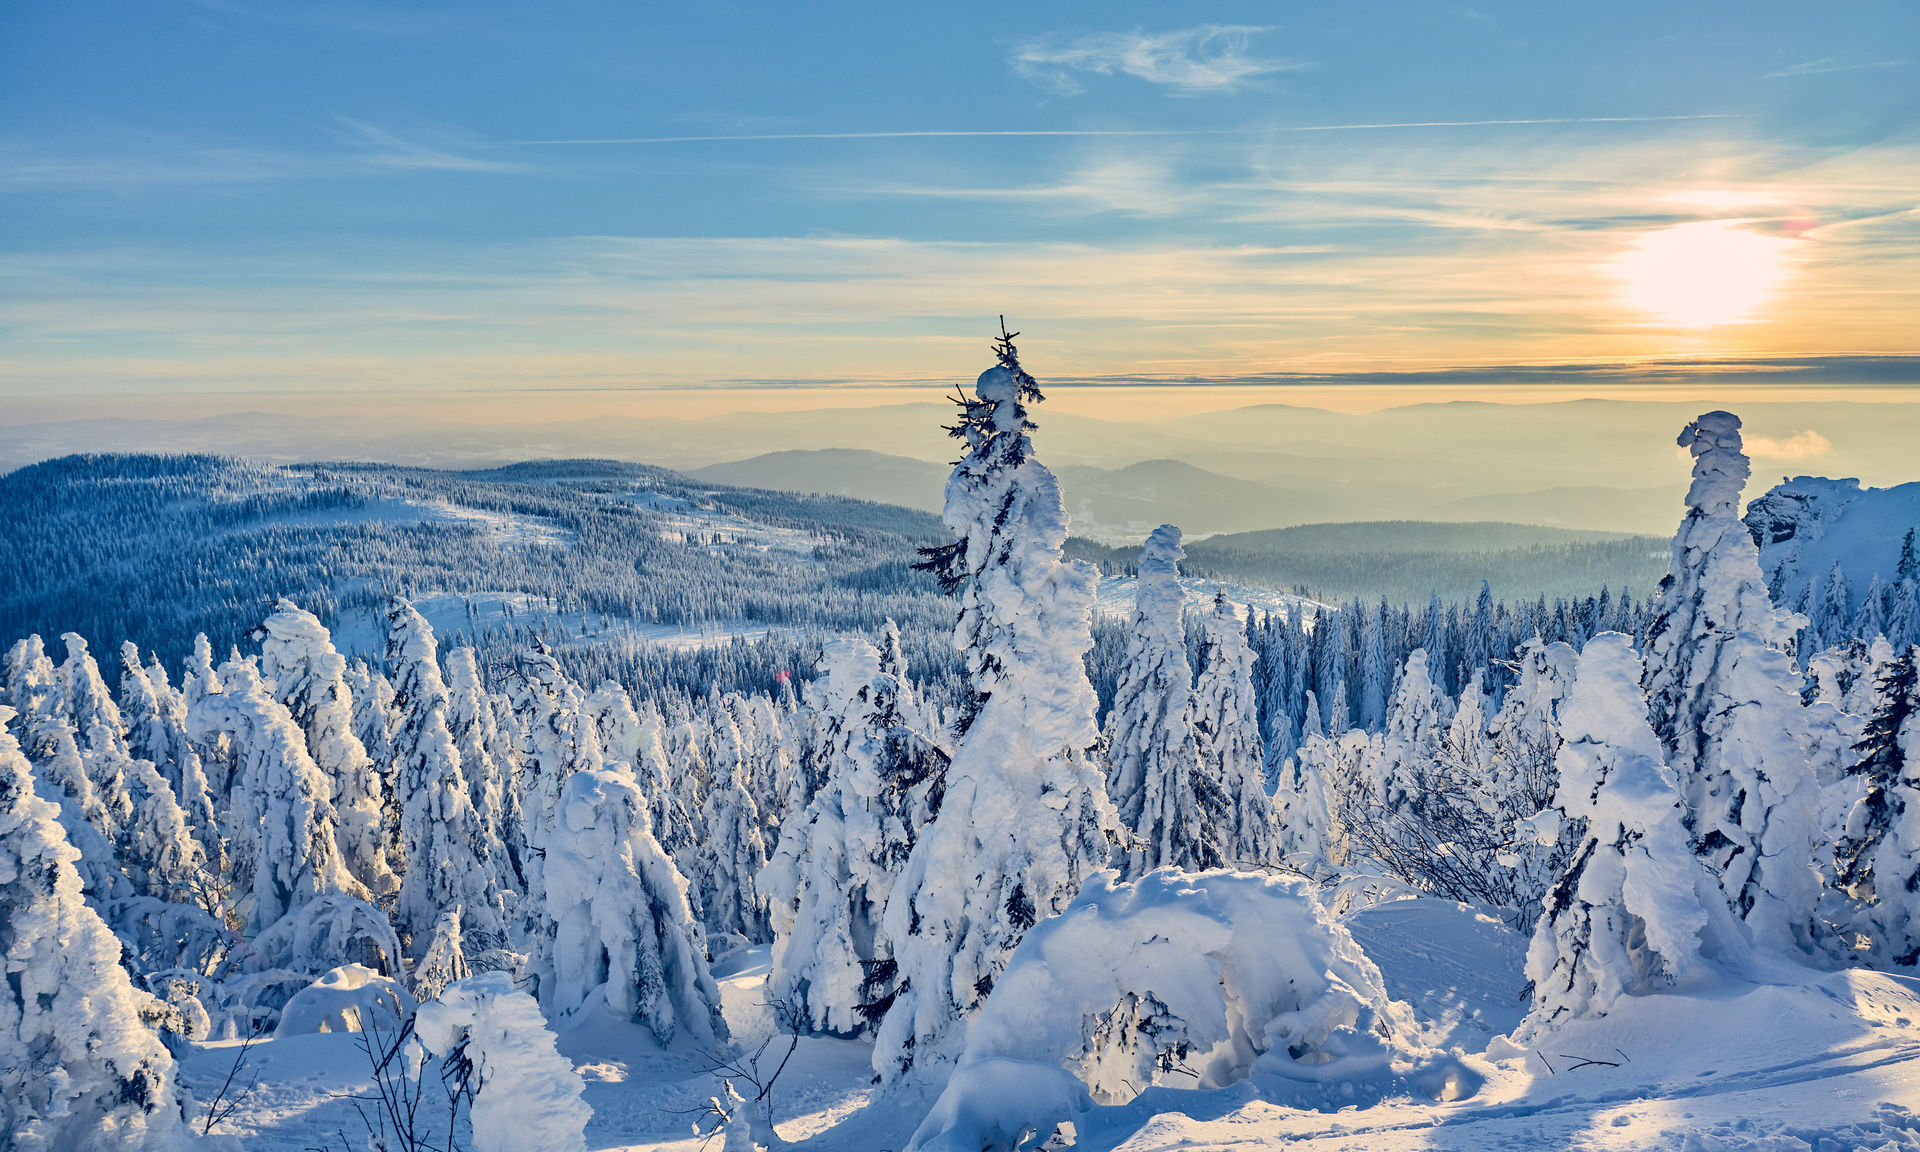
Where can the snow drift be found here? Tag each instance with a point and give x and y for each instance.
(1181, 979)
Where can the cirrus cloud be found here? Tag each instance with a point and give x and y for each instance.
(1205, 58)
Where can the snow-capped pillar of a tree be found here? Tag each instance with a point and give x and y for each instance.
(1725, 701)
(284, 848)
(448, 855)
(1227, 729)
(618, 931)
(530, 1099)
(1153, 755)
(309, 676)
(79, 1068)
(1025, 816)
(1635, 907)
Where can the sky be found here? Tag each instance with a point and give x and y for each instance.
(481, 208)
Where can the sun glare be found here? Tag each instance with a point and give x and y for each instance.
(1703, 274)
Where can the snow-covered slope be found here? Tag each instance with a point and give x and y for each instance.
(1807, 524)
(1817, 1062)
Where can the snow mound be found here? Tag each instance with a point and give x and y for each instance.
(347, 999)
(1193, 980)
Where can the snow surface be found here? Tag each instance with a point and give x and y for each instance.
(1820, 1062)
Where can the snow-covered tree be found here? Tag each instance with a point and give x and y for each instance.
(1877, 858)
(1025, 817)
(448, 854)
(474, 722)
(835, 867)
(732, 848)
(618, 931)
(1154, 776)
(1633, 909)
(1725, 701)
(79, 1066)
(283, 850)
(529, 1097)
(1227, 730)
(156, 719)
(310, 677)
(444, 960)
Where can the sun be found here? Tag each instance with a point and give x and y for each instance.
(1703, 274)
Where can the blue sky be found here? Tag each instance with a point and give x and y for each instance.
(240, 198)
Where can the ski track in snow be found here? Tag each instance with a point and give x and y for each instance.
(1820, 1062)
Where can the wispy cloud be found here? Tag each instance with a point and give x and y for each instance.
(1121, 133)
(1830, 64)
(380, 147)
(1207, 58)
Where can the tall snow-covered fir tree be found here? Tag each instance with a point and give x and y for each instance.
(79, 1067)
(835, 867)
(448, 854)
(1025, 816)
(1875, 866)
(1725, 701)
(617, 931)
(1634, 907)
(310, 677)
(1227, 728)
(1153, 758)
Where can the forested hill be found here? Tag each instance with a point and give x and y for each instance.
(617, 564)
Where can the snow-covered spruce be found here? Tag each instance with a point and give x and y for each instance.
(1153, 758)
(1025, 816)
(1877, 921)
(79, 1068)
(1635, 909)
(448, 854)
(445, 959)
(310, 677)
(529, 1098)
(1724, 700)
(619, 934)
(1226, 723)
(733, 846)
(1194, 980)
(473, 719)
(836, 863)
